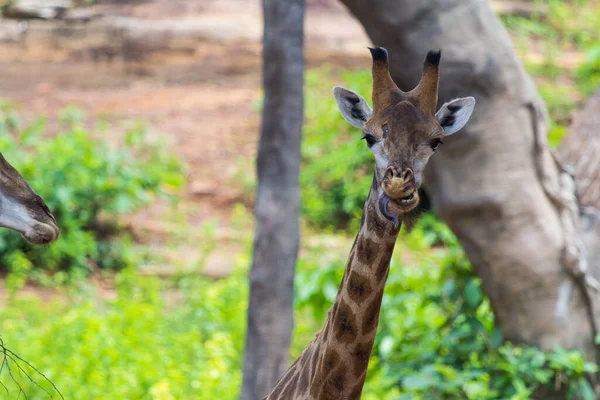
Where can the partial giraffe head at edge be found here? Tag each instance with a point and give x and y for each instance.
(23, 210)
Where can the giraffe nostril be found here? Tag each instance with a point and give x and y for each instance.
(407, 174)
(391, 172)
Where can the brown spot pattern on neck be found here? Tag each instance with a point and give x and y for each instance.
(334, 366)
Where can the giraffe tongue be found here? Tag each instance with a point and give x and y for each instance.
(384, 200)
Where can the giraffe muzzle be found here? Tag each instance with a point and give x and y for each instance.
(399, 194)
(399, 185)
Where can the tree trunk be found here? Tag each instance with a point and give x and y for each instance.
(496, 184)
(580, 149)
(270, 310)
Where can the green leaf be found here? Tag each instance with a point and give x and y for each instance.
(417, 382)
(386, 345)
(473, 294)
(496, 338)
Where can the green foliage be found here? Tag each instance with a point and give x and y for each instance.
(138, 346)
(337, 165)
(81, 177)
(549, 43)
(574, 21)
(588, 73)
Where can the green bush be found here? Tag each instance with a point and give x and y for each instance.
(138, 346)
(80, 176)
(337, 167)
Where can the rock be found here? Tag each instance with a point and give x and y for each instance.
(37, 9)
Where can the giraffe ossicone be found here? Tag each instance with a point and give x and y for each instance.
(402, 130)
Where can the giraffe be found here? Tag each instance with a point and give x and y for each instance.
(22, 210)
(402, 131)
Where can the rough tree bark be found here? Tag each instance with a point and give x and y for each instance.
(579, 149)
(497, 185)
(270, 310)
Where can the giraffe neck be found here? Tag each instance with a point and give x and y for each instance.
(335, 364)
(347, 338)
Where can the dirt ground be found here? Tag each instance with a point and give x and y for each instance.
(192, 70)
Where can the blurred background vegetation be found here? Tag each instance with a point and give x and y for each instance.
(92, 315)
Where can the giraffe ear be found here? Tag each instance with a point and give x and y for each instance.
(353, 107)
(454, 114)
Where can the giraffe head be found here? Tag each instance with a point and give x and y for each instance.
(403, 129)
(22, 210)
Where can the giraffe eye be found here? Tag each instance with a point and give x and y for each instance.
(386, 131)
(435, 143)
(370, 139)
